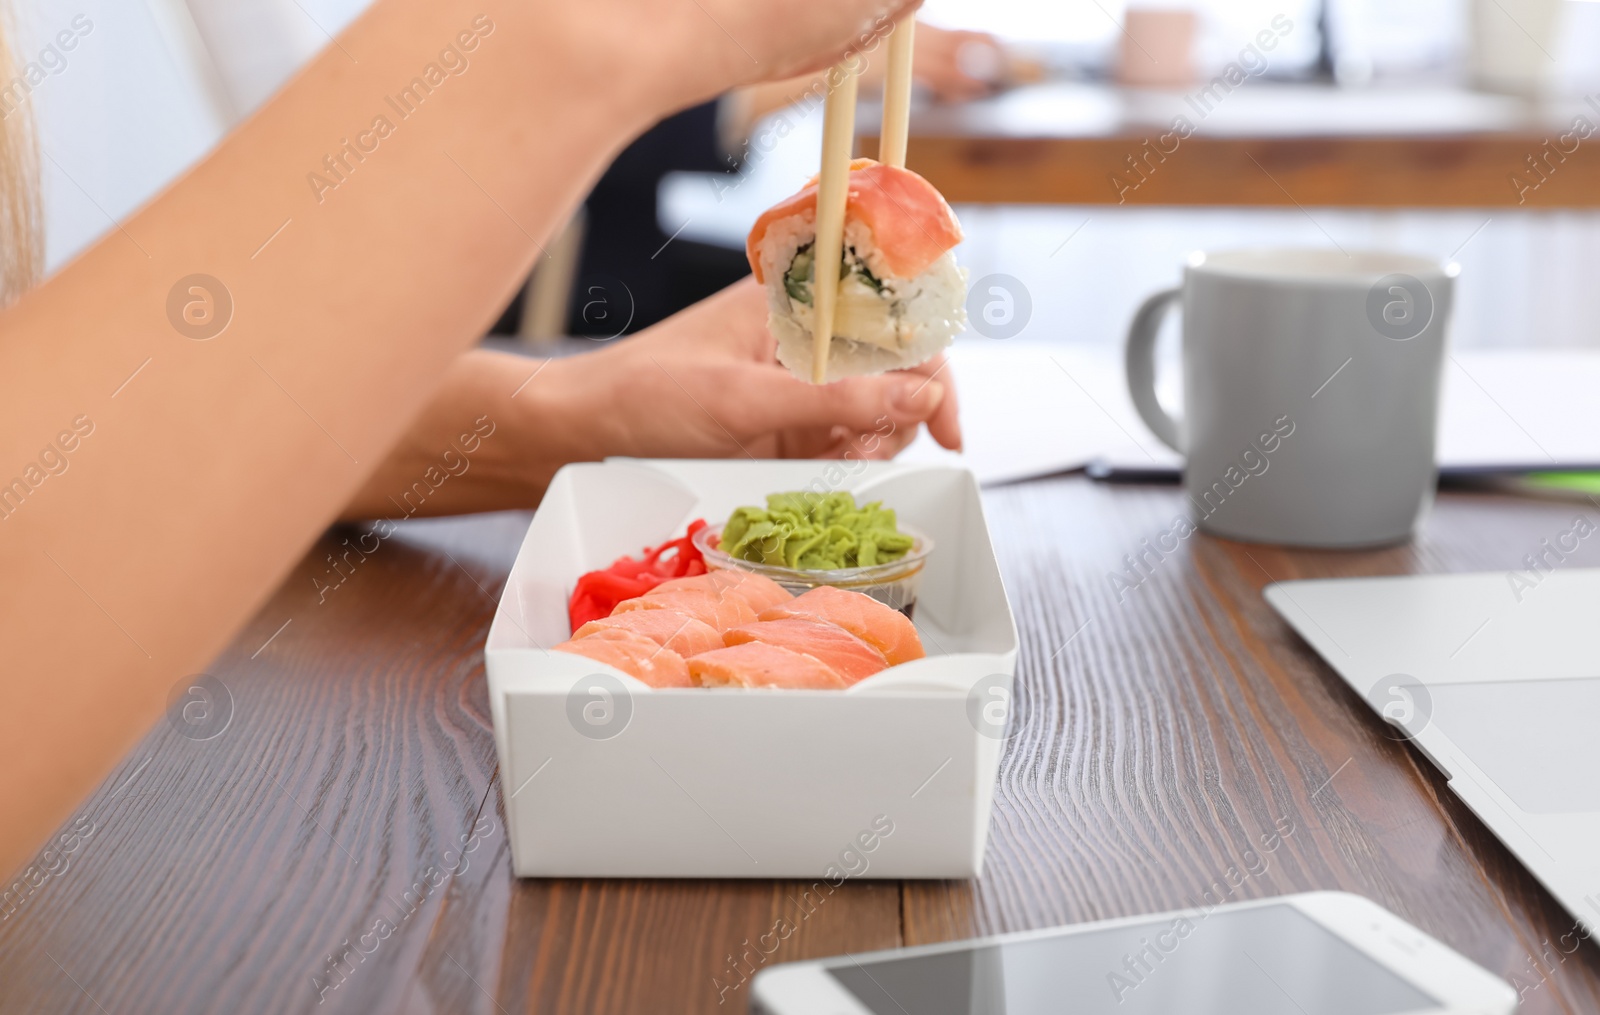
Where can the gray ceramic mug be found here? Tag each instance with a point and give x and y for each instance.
(1310, 391)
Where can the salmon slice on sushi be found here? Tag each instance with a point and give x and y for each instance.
(844, 653)
(633, 654)
(676, 631)
(755, 664)
(889, 631)
(901, 296)
(720, 599)
(757, 590)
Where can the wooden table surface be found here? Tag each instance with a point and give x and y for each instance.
(1260, 144)
(1166, 733)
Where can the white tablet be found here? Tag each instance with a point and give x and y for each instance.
(1319, 953)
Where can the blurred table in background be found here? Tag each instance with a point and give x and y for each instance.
(1259, 144)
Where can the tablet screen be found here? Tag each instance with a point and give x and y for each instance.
(1270, 960)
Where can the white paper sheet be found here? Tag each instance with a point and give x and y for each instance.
(1034, 409)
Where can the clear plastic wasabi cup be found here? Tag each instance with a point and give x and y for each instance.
(893, 583)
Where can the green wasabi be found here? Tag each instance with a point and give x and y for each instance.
(815, 532)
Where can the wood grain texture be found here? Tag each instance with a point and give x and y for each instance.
(1465, 171)
(225, 871)
(677, 946)
(1165, 731)
(1184, 719)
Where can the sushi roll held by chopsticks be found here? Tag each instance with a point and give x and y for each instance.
(895, 296)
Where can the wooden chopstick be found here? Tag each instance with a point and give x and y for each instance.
(833, 191)
(897, 95)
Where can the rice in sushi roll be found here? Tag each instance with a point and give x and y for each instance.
(901, 294)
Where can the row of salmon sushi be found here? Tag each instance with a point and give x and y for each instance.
(735, 629)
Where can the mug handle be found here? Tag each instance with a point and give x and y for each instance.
(1141, 367)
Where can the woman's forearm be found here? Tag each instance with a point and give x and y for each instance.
(159, 479)
(480, 444)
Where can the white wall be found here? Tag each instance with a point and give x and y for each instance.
(120, 117)
(259, 44)
(139, 99)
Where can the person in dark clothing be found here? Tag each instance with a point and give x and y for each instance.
(631, 273)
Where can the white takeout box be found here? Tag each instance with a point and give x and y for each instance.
(891, 778)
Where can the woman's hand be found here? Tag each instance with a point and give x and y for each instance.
(702, 384)
(954, 66)
(736, 42)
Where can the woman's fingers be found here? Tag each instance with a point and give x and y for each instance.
(774, 400)
(804, 36)
(945, 423)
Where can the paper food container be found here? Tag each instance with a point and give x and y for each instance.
(603, 776)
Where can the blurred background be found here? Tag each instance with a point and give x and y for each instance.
(1425, 126)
